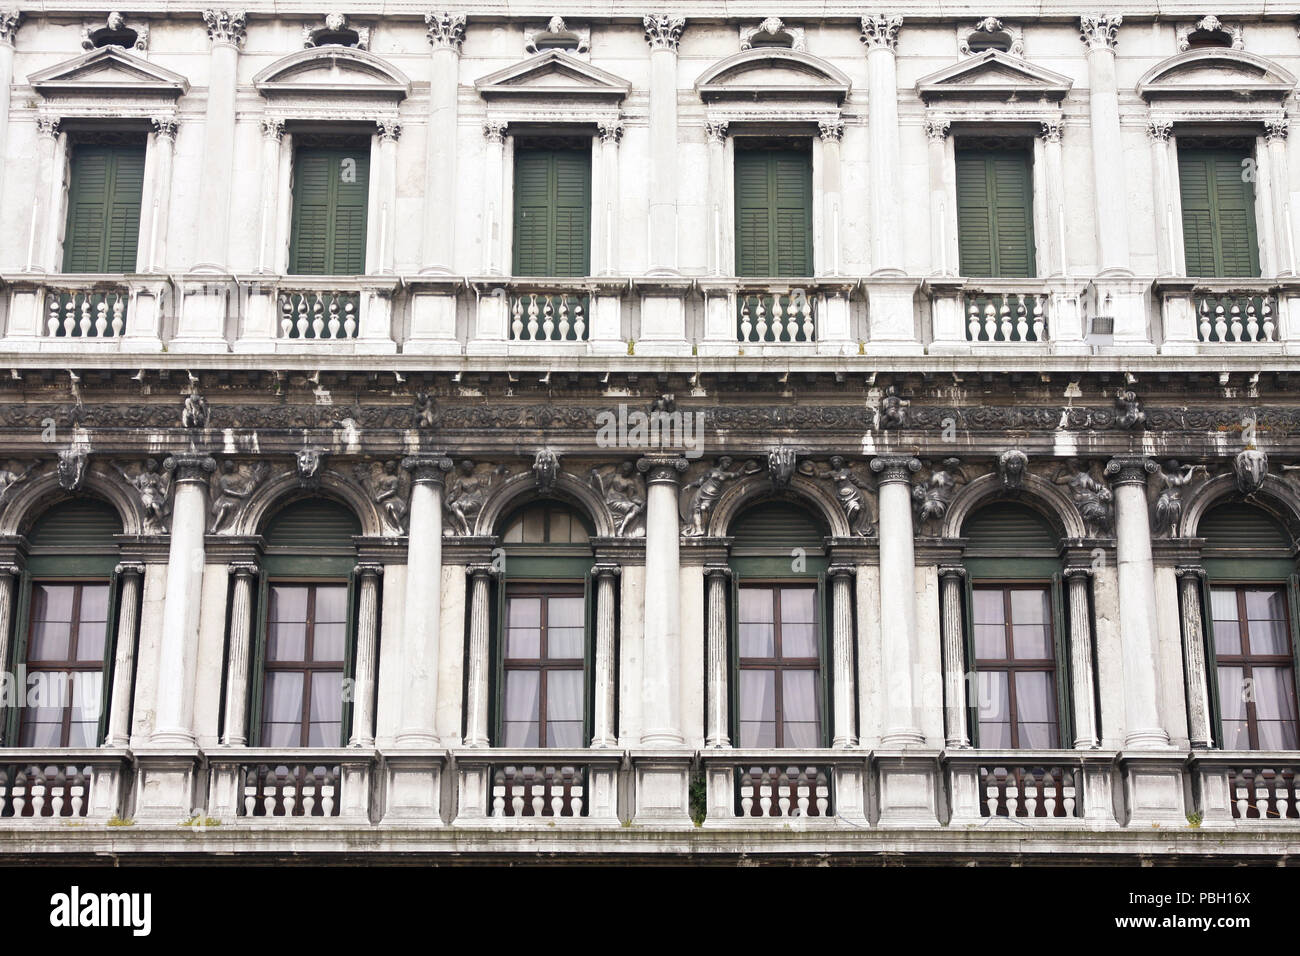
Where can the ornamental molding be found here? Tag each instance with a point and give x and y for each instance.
(1229, 79)
(773, 30)
(109, 80)
(325, 82)
(993, 76)
(446, 31)
(333, 24)
(558, 35)
(780, 78)
(115, 31)
(991, 27)
(554, 78)
(1233, 33)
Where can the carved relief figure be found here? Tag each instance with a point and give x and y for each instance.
(72, 468)
(708, 489)
(932, 497)
(10, 475)
(781, 466)
(1091, 496)
(1130, 414)
(624, 493)
(151, 484)
(467, 493)
(1012, 465)
(848, 490)
(1250, 468)
(308, 463)
(383, 482)
(893, 409)
(231, 487)
(425, 410)
(1174, 477)
(546, 468)
(195, 414)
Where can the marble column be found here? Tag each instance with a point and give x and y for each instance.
(936, 134)
(832, 136)
(8, 585)
(844, 730)
(164, 150)
(226, 33)
(720, 259)
(421, 618)
(718, 578)
(438, 247)
(363, 695)
(1137, 601)
(661, 670)
(45, 203)
(1275, 134)
(954, 655)
(898, 599)
(1058, 258)
(235, 727)
(1082, 691)
(880, 35)
(1167, 205)
(477, 681)
(272, 140)
(388, 131)
(9, 21)
(1110, 197)
(174, 713)
(663, 33)
(1199, 732)
(610, 134)
(494, 198)
(131, 576)
(604, 729)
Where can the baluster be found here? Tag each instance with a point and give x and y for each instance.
(532, 318)
(778, 326)
(990, 322)
(1013, 793)
(38, 791)
(548, 317)
(784, 784)
(579, 323)
(517, 319)
(536, 790)
(1040, 322)
(52, 322)
(576, 794)
(301, 324)
(101, 316)
(20, 792)
(765, 793)
(288, 790)
(498, 794)
(1252, 322)
(1220, 323)
(1069, 790)
(516, 791)
(805, 308)
(803, 779)
(823, 794)
(1263, 793)
(761, 323)
(746, 794)
(1243, 802)
(70, 315)
(1270, 326)
(334, 322)
(250, 793)
(328, 791)
(973, 322)
(1004, 319)
(58, 792)
(1051, 790)
(557, 780)
(564, 318)
(990, 791)
(1205, 327)
(1031, 786)
(119, 314)
(349, 319)
(4, 790)
(77, 791)
(792, 320)
(746, 326)
(1022, 319)
(1235, 324)
(308, 792)
(318, 316)
(85, 324)
(286, 315)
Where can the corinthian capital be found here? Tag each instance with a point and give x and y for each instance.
(9, 20)
(880, 30)
(446, 30)
(1100, 32)
(663, 32)
(164, 126)
(225, 26)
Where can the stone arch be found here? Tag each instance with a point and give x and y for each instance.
(802, 490)
(34, 497)
(768, 72)
(1045, 497)
(1275, 496)
(522, 488)
(284, 489)
(333, 71)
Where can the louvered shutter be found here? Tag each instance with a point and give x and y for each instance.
(995, 213)
(351, 195)
(773, 212)
(330, 193)
(572, 215)
(792, 214)
(1218, 213)
(552, 212)
(103, 228)
(753, 219)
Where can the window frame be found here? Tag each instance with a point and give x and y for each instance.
(581, 144)
(1024, 148)
(311, 141)
(743, 142)
(1223, 144)
(77, 141)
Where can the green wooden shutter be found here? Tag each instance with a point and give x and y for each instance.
(350, 655)
(733, 661)
(773, 212)
(110, 651)
(824, 614)
(552, 225)
(104, 195)
(17, 655)
(970, 677)
(1064, 682)
(995, 228)
(257, 679)
(588, 657)
(330, 198)
(1218, 204)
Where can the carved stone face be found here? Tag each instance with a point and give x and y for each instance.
(626, 469)
(724, 463)
(837, 462)
(466, 467)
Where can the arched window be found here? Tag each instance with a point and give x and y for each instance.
(1015, 635)
(543, 651)
(778, 639)
(65, 623)
(1250, 621)
(306, 627)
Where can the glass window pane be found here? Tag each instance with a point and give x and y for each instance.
(1031, 642)
(50, 641)
(1274, 696)
(327, 698)
(1227, 637)
(524, 612)
(990, 642)
(286, 642)
(1269, 637)
(1035, 697)
(798, 605)
(328, 734)
(755, 605)
(799, 709)
(1277, 735)
(1223, 604)
(565, 612)
(331, 604)
(757, 696)
(283, 700)
(994, 735)
(1029, 607)
(993, 700)
(566, 733)
(1233, 692)
(799, 640)
(48, 693)
(86, 695)
(757, 640)
(987, 605)
(288, 602)
(802, 734)
(94, 602)
(52, 602)
(1034, 736)
(1267, 605)
(83, 733)
(523, 700)
(564, 643)
(564, 696)
(328, 642)
(524, 643)
(276, 734)
(519, 733)
(758, 733)
(1236, 735)
(90, 640)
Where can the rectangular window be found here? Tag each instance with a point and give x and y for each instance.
(1252, 649)
(552, 227)
(104, 195)
(66, 648)
(544, 667)
(995, 218)
(1015, 660)
(1218, 201)
(773, 209)
(305, 655)
(779, 695)
(330, 195)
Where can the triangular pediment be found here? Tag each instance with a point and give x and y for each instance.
(1216, 72)
(550, 75)
(109, 70)
(993, 74)
(773, 73)
(333, 71)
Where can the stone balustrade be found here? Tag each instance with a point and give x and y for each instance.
(38, 786)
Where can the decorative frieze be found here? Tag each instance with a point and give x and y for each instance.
(446, 31)
(663, 31)
(880, 31)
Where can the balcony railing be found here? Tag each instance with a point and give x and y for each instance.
(744, 787)
(539, 791)
(53, 785)
(1245, 318)
(1045, 787)
(255, 784)
(528, 787)
(86, 313)
(319, 314)
(549, 317)
(1006, 317)
(1242, 787)
(776, 318)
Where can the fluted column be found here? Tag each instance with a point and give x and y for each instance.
(1110, 197)
(422, 618)
(477, 680)
(226, 33)
(388, 131)
(663, 33)
(493, 198)
(45, 202)
(603, 731)
(880, 35)
(954, 655)
(1167, 205)
(438, 248)
(1275, 134)
(9, 20)
(164, 150)
(235, 728)
(1199, 732)
(936, 134)
(131, 575)
(177, 662)
(1081, 691)
(8, 577)
(610, 135)
(661, 670)
(844, 729)
(720, 259)
(832, 135)
(716, 731)
(898, 599)
(1058, 258)
(363, 696)
(1137, 601)
(272, 140)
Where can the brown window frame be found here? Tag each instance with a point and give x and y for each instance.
(1012, 665)
(543, 665)
(71, 664)
(778, 664)
(1245, 661)
(307, 666)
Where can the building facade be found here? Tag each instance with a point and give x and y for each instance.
(776, 433)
